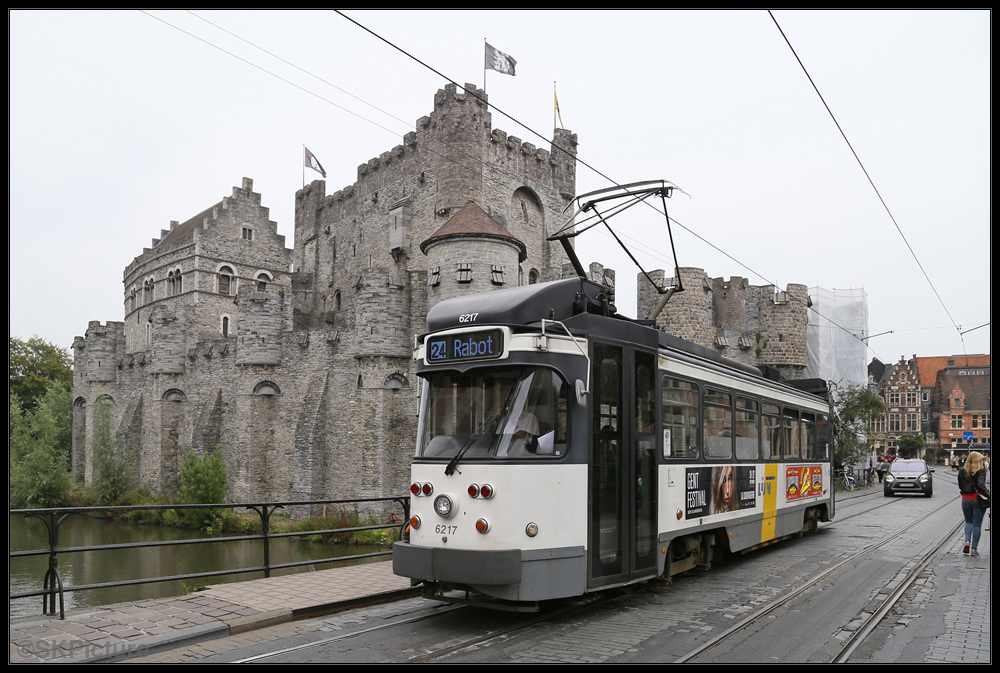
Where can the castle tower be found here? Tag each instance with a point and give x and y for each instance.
(469, 254)
(297, 364)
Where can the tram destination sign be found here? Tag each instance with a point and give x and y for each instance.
(478, 345)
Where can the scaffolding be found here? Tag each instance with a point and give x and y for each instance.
(835, 346)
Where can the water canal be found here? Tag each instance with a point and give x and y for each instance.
(94, 567)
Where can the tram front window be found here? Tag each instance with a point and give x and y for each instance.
(500, 413)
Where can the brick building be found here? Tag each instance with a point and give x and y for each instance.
(940, 398)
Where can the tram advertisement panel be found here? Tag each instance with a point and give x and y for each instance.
(719, 489)
(803, 481)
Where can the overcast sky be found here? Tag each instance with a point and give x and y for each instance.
(123, 121)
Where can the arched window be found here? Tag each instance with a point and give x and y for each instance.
(266, 388)
(173, 395)
(225, 326)
(225, 280)
(178, 282)
(262, 280)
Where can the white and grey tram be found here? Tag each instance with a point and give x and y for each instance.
(563, 449)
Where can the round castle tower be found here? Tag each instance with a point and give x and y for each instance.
(470, 253)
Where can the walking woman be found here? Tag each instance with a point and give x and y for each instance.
(972, 484)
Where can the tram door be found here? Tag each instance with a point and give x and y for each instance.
(622, 537)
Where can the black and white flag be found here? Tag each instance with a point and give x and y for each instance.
(313, 163)
(499, 61)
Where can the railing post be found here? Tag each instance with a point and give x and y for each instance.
(265, 526)
(53, 581)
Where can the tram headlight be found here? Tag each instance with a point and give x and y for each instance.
(444, 505)
(531, 530)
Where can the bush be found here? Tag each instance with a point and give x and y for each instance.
(203, 482)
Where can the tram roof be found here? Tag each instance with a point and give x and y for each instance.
(525, 305)
(584, 305)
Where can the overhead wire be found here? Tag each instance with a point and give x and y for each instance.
(647, 250)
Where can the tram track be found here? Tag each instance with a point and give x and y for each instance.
(479, 639)
(869, 624)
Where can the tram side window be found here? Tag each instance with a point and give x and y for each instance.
(747, 431)
(718, 424)
(820, 445)
(771, 445)
(793, 435)
(808, 435)
(680, 419)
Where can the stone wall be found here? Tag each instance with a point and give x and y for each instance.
(756, 325)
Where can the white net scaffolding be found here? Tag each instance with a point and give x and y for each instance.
(838, 321)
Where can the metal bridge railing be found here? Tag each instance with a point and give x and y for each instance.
(52, 518)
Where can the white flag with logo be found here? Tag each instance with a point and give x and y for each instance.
(499, 61)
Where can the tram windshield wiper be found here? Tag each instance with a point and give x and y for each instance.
(453, 463)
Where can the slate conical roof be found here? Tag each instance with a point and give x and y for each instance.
(473, 222)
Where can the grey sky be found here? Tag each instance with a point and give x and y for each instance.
(121, 123)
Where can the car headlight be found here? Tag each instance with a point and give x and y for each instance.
(925, 478)
(889, 478)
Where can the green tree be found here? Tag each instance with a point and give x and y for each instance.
(114, 458)
(33, 366)
(203, 482)
(911, 446)
(854, 409)
(40, 450)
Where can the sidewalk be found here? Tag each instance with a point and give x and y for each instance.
(222, 610)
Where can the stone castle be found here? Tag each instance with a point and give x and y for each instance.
(297, 363)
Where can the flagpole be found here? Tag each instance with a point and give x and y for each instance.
(484, 66)
(555, 99)
(303, 165)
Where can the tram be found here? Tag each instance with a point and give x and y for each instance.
(563, 449)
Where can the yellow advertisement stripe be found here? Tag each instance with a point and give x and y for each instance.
(770, 493)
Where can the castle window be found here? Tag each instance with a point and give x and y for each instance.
(225, 326)
(247, 234)
(434, 278)
(173, 395)
(532, 276)
(225, 279)
(266, 388)
(262, 280)
(336, 300)
(496, 275)
(464, 273)
(178, 282)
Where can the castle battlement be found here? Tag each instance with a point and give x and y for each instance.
(297, 364)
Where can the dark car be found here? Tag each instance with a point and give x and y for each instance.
(909, 476)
